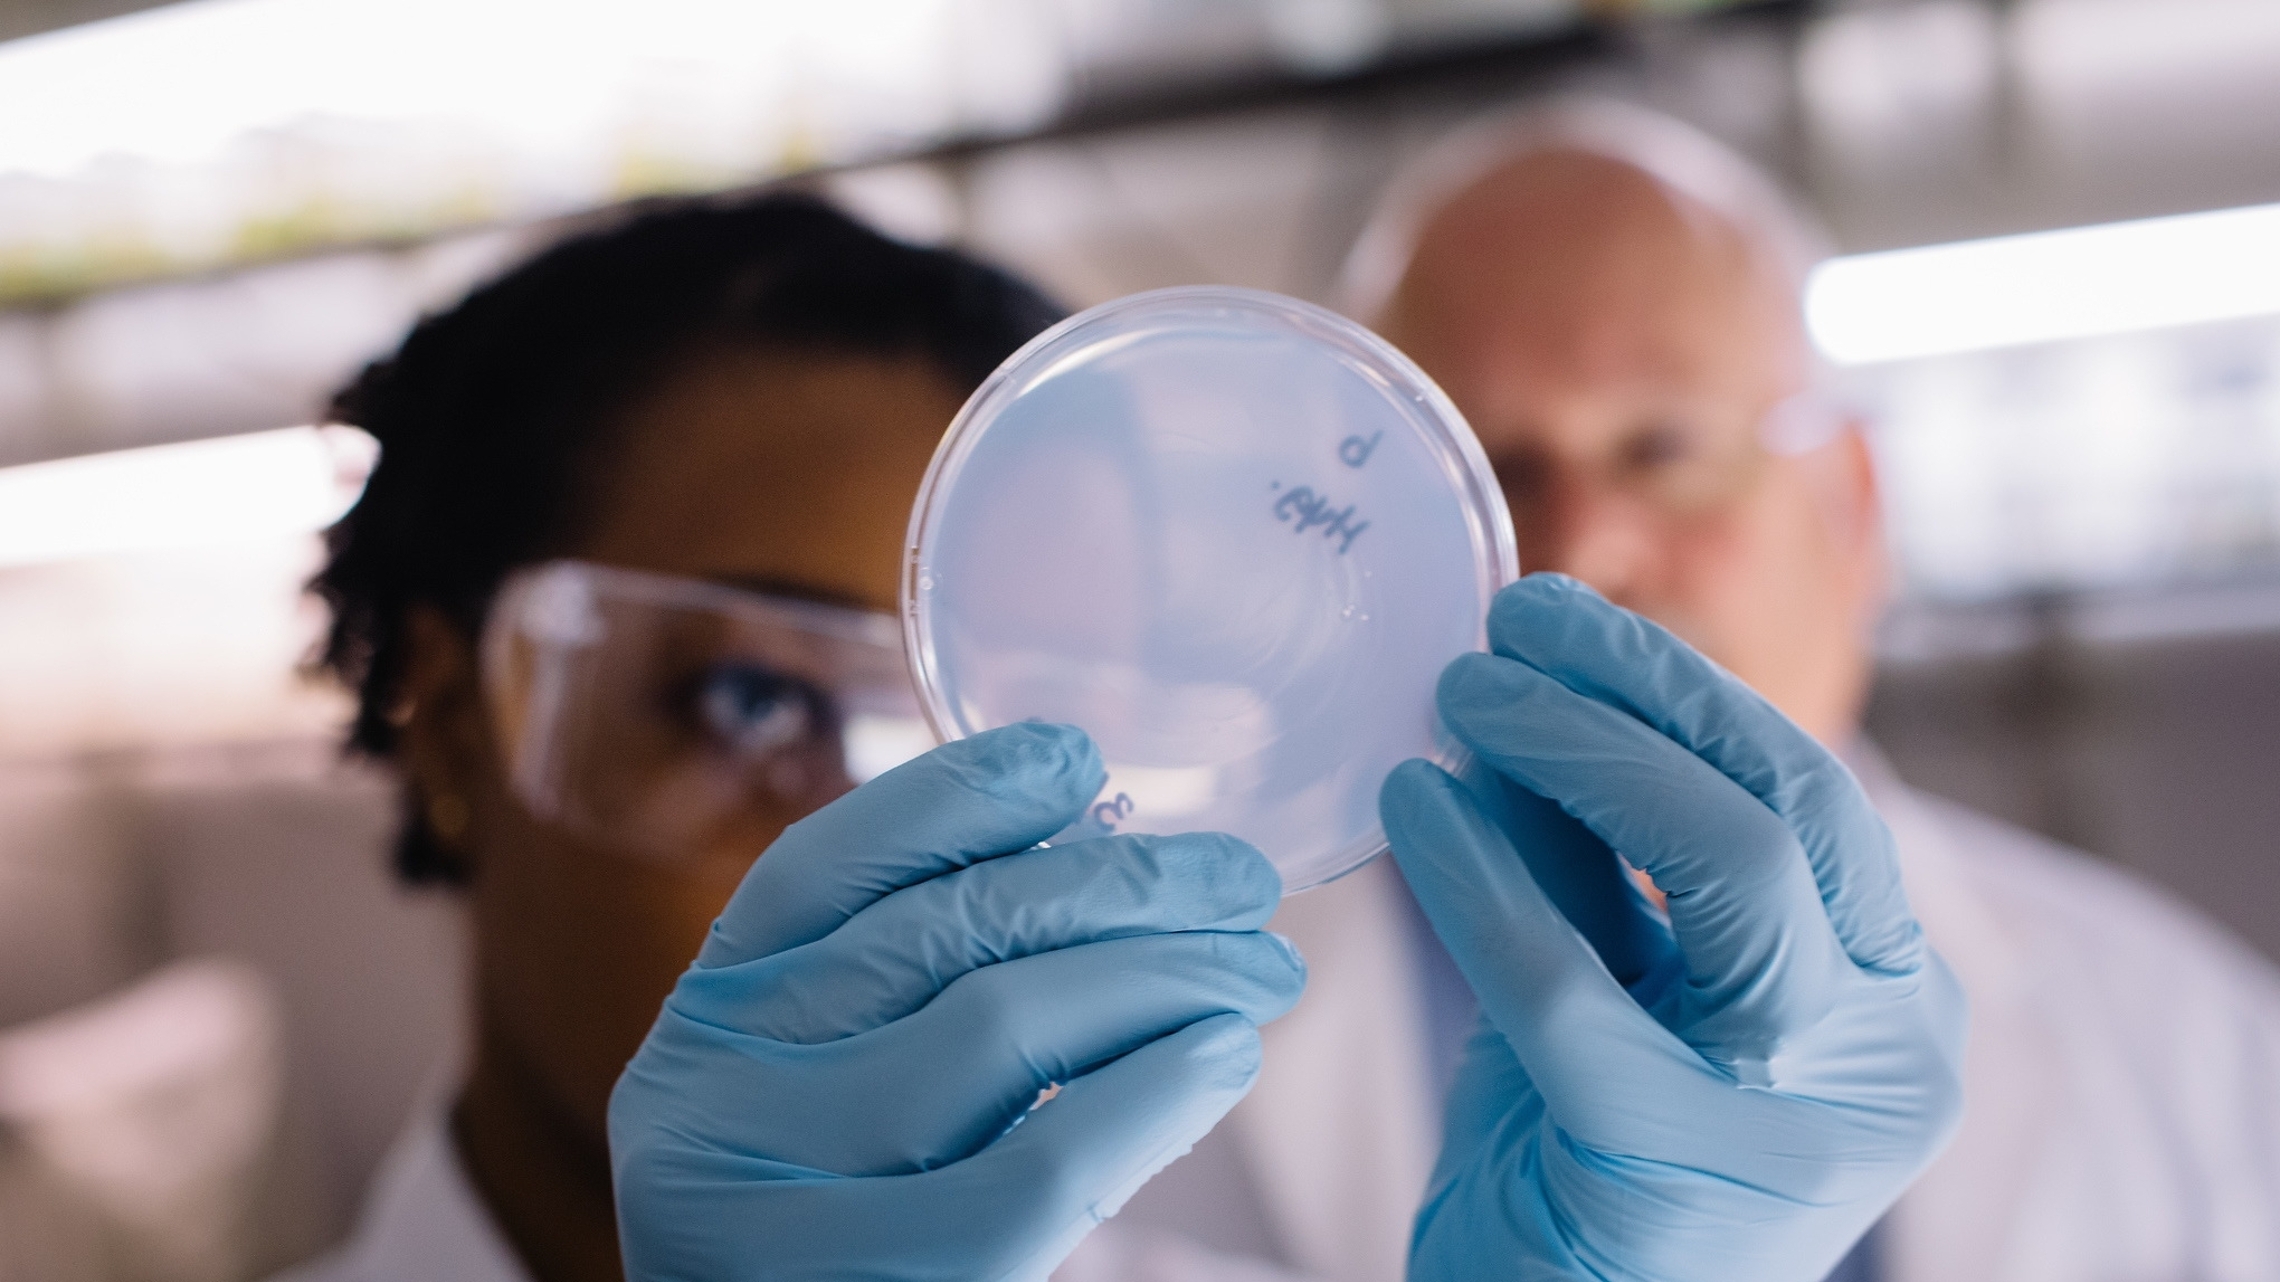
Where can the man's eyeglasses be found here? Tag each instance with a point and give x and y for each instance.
(1685, 466)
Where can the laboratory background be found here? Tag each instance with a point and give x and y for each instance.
(216, 1007)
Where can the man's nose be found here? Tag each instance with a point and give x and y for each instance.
(1588, 531)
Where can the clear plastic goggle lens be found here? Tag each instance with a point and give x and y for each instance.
(673, 717)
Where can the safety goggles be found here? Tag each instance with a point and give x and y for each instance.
(673, 717)
(1695, 465)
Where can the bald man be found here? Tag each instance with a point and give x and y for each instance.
(1617, 347)
(1612, 300)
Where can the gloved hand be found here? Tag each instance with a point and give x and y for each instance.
(1738, 1093)
(842, 1085)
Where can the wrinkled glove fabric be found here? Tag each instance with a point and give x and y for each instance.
(842, 1086)
(1735, 1088)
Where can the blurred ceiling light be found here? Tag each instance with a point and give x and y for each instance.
(259, 485)
(180, 83)
(2046, 286)
(210, 132)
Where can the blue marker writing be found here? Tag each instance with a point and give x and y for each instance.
(1307, 509)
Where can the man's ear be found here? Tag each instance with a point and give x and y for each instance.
(444, 735)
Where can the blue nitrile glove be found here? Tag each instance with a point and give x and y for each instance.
(840, 1086)
(1737, 1094)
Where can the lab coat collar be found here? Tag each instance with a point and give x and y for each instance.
(1957, 1219)
(422, 1220)
(1957, 919)
(1343, 1126)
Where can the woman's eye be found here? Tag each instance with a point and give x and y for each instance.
(750, 710)
(1658, 447)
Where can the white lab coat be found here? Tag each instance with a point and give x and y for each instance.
(2122, 1121)
(422, 1221)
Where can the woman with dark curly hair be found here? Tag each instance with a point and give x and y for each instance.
(617, 604)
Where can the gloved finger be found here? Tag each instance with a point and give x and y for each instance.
(1076, 1160)
(1569, 632)
(1762, 962)
(1588, 1047)
(894, 956)
(1581, 875)
(971, 799)
(1491, 1094)
(1009, 1213)
(947, 1079)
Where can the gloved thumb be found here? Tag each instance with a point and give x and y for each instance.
(1073, 1161)
(1540, 982)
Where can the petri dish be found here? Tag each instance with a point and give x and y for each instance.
(1232, 536)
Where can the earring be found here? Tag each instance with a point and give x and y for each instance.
(447, 815)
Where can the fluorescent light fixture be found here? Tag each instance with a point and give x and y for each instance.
(2046, 286)
(205, 132)
(183, 82)
(255, 486)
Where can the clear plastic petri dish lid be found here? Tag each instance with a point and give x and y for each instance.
(1232, 536)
